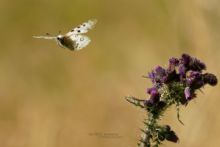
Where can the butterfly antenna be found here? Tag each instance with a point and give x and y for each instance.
(59, 32)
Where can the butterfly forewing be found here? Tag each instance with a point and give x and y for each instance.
(83, 28)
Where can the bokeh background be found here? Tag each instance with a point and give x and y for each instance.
(52, 97)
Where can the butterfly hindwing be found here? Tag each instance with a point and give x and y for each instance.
(80, 41)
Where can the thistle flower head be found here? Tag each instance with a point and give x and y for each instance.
(195, 80)
(174, 61)
(158, 75)
(197, 65)
(210, 79)
(191, 63)
(154, 97)
(185, 59)
(177, 85)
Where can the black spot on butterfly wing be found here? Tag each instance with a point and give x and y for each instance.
(73, 30)
(76, 29)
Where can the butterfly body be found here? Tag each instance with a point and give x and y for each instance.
(73, 40)
(66, 42)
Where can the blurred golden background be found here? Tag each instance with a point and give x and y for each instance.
(52, 97)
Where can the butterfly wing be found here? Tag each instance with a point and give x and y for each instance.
(44, 37)
(83, 28)
(80, 41)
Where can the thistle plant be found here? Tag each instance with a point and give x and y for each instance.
(175, 85)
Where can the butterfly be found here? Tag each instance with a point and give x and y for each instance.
(74, 39)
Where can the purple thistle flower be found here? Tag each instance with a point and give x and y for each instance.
(164, 79)
(160, 71)
(210, 79)
(182, 71)
(191, 63)
(158, 75)
(154, 94)
(196, 65)
(154, 97)
(177, 85)
(152, 76)
(173, 61)
(149, 90)
(195, 80)
(185, 59)
(188, 93)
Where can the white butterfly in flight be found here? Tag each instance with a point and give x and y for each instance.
(73, 40)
